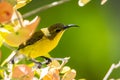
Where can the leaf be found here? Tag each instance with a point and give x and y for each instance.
(103, 2)
(22, 72)
(16, 38)
(54, 63)
(16, 19)
(65, 69)
(6, 11)
(1, 72)
(70, 75)
(12, 2)
(21, 3)
(1, 41)
(9, 28)
(83, 2)
(0, 55)
(44, 72)
(53, 74)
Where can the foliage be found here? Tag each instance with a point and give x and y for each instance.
(14, 30)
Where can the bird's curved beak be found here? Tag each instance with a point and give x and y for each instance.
(70, 25)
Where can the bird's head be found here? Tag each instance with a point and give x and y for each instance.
(56, 30)
(54, 33)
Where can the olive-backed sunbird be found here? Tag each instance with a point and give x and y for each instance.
(44, 40)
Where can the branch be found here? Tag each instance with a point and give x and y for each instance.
(113, 66)
(44, 8)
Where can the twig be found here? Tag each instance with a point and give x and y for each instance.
(40, 9)
(44, 8)
(8, 59)
(10, 56)
(18, 17)
(64, 61)
(27, 15)
(9, 47)
(113, 66)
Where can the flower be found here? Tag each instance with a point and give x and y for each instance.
(6, 11)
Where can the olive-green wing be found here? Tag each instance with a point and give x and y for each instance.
(34, 38)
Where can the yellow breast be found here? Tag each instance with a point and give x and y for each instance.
(41, 47)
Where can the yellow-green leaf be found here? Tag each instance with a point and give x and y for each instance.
(70, 75)
(1, 41)
(0, 55)
(16, 38)
(65, 69)
(12, 2)
(21, 3)
(103, 2)
(83, 2)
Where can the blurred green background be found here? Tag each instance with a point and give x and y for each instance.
(95, 45)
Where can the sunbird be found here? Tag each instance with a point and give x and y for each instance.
(41, 42)
(44, 40)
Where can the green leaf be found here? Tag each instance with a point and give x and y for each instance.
(12, 2)
(1, 41)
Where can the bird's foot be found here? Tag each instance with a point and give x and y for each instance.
(41, 63)
(47, 60)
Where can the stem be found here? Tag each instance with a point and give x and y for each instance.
(64, 61)
(44, 8)
(8, 59)
(27, 15)
(9, 47)
(10, 56)
(113, 66)
(18, 17)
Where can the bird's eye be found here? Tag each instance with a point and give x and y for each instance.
(58, 30)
